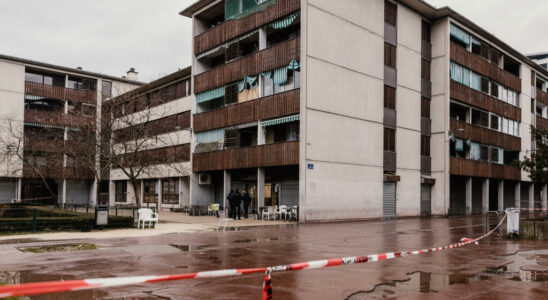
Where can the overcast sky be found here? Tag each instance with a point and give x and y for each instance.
(110, 36)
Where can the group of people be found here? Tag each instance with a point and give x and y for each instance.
(235, 200)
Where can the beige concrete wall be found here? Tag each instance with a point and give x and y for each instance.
(439, 112)
(12, 93)
(341, 109)
(408, 108)
(526, 116)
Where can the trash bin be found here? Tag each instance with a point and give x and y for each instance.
(101, 215)
(512, 223)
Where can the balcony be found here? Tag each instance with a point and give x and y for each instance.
(44, 90)
(264, 60)
(40, 144)
(259, 109)
(485, 135)
(48, 171)
(78, 173)
(542, 123)
(234, 28)
(474, 168)
(484, 67)
(81, 96)
(280, 154)
(56, 118)
(470, 96)
(542, 97)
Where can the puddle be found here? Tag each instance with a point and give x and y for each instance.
(256, 240)
(19, 241)
(187, 248)
(521, 265)
(418, 283)
(59, 248)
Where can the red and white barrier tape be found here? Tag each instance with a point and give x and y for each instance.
(37, 288)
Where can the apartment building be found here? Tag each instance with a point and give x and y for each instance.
(42, 106)
(540, 58)
(360, 109)
(151, 128)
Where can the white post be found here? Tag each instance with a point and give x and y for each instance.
(485, 196)
(111, 193)
(227, 184)
(500, 195)
(469, 196)
(532, 195)
(64, 191)
(260, 188)
(93, 193)
(544, 197)
(517, 195)
(262, 39)
(160, 196)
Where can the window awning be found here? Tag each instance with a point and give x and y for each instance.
(241, 126)
(43, 125)
(280, 120)
(460, 34)
(224, 45)
(210, 136)
(210, 95)
(285, 22)
(34, 98)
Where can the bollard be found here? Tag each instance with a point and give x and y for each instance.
(34, 220)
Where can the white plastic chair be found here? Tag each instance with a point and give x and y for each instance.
(269, 211)
(282, 210)
(147, 215)
(224, 222)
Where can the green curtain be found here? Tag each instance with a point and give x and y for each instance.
(459, 145)
(285, 22)
(210, 95)
(210, 136)
(233, 9)
(475, 151)
(293, 65)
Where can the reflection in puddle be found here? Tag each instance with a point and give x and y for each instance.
(418, 282)
(256, 240)
(186, 248)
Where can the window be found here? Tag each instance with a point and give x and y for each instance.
(268, 86)
(458, 112)
(389, 55)
(170, 191)
(425, 69)
(390, 11)
(106, 90)
(389, 97)
(495, 122)
(150, 195)
(389, 140)
(533, 107)
(425, 107)
(425, 31)
(484, 153)
(485, 85)
(480, 118)
(496, 155)
(293, 82)
(494, 89)
(425, 145)
(121, 191)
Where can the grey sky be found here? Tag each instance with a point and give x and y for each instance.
(110, 36)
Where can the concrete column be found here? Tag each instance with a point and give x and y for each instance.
(64, 191)
(160, 197)
(93, 192)
(111, 193)
(517, 195)
(532, 195)
(18, 188)
(500, 195)
(227, 184)
(262, 39)
(260, 134)
(544, 197)
(260, 187)
(469, 196)
(485, 196)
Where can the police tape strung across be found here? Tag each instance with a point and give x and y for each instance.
(27, 289)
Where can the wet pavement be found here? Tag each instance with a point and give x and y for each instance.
(496, 268)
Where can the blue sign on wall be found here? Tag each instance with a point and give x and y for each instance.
(310, 166)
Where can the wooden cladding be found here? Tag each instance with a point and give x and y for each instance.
(234, 28)
(485, 135)
(484, 67)
(166, 155)
(280, 154)
(542, 97)
(264, 60)
(40, 144)
(390, 13)
(389, 55)
(478, 99)
(474, 168)
(542, 123)
(54, 171)
(259, 109)
(60, 93)
(153, 128)
(57, 118)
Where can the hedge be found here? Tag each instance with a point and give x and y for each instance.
(61, 223)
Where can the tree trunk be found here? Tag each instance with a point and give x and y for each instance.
(137, 190)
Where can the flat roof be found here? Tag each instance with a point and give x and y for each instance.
(194, 7)
(67, 69)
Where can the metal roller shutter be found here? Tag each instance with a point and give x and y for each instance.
(389, 200)
(290, 193)
(426, 200)
(7, 191)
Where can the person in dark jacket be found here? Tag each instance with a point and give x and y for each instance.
(230, 198)
(237, 199)
(247, 201)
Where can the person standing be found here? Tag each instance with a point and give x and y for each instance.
(230, 198)
(237, 199)
(247, 201)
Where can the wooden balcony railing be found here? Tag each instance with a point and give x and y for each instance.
(474, 168)
(234, 28)
(57, 118)
(259, 109)
(44, 90)
(485, 135)
(264, 60)
(48, 171)
(78, 173)
(60, 93)
(542, 97)
(40, 144)
(81, 96)
(484, 67)
(280, 154)
(542, 123)
(470, 96)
